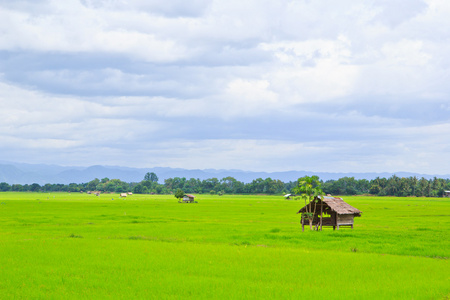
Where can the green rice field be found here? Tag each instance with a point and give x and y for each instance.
(79, 246)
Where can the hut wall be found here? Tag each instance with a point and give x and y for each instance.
(344, 219)
(327, 221)
(333, 217)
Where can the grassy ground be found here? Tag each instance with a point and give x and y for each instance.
(62, 245)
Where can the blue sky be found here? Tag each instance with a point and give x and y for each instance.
(267, 85)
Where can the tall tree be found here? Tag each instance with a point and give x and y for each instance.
(150, 176)
(310, 189)
(179, 194)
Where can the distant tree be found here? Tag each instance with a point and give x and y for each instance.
(47, 187)
(4, 187)
(101, 187)
(138, 189)
(192, 185)
(404, 189)
(144, 190)
(363, 186)
(34, 187)
(17, 187)
(150, 176)
(375, 189)
(161, 189)
(147, 183)
(178, 183)
(228, 184)
(168, 183)
(121, 189)
(414, 181)
(59, 187)
(110, 187)
(73, 187)
(211, 184)
(92, 185)
(179, 194)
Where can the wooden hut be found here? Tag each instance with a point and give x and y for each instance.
(330, 211)
(123, 194)
(188, 198)
(446, 193)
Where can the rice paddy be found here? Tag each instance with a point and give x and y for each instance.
(72, 246)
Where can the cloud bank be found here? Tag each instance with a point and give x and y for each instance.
(260, 85)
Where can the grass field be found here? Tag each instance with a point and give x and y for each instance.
(72, 246)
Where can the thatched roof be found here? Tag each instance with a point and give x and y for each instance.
(338, 205)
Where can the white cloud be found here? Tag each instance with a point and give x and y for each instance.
(259, 85)
(249, 98)
(406, 53)
(314, 70)
(73, 28)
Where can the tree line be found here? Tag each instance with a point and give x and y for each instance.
(393, 186)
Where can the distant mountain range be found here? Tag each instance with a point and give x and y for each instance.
(11, 173)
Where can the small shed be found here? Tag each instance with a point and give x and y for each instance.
(287, 196)
(123, 194)
(188, 198)
(330, 211)
(446, 193)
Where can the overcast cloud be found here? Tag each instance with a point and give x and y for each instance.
(334, 86)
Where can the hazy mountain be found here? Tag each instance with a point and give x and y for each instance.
(37, 173)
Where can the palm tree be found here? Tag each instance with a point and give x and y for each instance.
(310, 188)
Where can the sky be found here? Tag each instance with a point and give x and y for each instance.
(256, 85)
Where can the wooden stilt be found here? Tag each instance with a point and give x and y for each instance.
(321, 215)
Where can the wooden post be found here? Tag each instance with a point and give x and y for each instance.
(321, 215)
(303, 225)
(334, 219)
